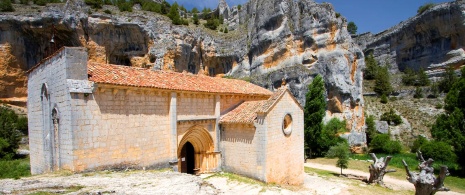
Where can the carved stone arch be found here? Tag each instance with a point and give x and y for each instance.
(199, 137)
(202, 141)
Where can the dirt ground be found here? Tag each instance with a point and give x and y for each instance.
(167, 182)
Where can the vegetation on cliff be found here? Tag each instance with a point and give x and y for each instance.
(450, 126)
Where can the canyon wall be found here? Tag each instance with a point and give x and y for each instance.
(268, 41)
(432, 40)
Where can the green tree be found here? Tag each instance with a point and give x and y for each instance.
(195, 10)
(239, 7)
(6, 6)
(124, 5)
(371, 128)
(450, 127)
(384, 99)
(196, 19)
(409, 77)
(165, 8)
(372, 67)
(341, 152)
(383, 81)
(9, 134)
(425, 7)
(352, 28)
(151, 6)
(422, 79)
(96, 4)
(447, 80)
(314, 111)
(434, 90)
(226, 30)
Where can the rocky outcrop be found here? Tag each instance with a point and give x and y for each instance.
(432, 40)
(274, 39)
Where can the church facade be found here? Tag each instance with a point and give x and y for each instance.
(90, 116)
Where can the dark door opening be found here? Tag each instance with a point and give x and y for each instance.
(188, 158)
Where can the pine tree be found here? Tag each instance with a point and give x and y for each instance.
(383, 81)
(371, 69)
(352, 28)
(196, 19)
(6, 6)
(314, 112)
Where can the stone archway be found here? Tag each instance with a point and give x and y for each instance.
(204, 157)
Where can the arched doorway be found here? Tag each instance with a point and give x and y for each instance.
(188, 159)
(197, 142)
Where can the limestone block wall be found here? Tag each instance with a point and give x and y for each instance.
(120, 126)
(47, 90)
(285, 153)
(243, 150)
(195, 105)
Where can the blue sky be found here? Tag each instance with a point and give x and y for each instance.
(369, 15)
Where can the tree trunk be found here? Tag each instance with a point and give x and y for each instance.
(378, 169)
(425, 182)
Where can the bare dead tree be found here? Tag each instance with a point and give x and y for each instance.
(378, 169)
(425, 182)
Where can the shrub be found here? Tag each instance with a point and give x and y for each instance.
(438, 106)
(371, 67)
(6, 6)
(107, 11)
(448, 80)
(381, 143)
(418, 143)
(393, 147)
(124, 5)
(226, 30)
(384, 99)
(151, 6)
(391, 117)
(338, 14)
(239, 7)
(340, 151)
(418, 93)
(96, 4)
(425, 7)
(196, 19)
(335, 126)
(212, 23)
(438, 151)
(14, 168)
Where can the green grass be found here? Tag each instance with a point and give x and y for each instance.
(14, 168)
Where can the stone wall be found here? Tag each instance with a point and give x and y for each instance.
(285, 153)
(242, 148)
(113, 127)
(48, 90)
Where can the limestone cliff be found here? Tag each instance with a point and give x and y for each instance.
(431, 40)
(268, 40)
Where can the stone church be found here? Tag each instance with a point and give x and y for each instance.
(91, 116)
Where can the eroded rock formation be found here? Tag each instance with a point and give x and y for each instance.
(432, 40)
(268, 40)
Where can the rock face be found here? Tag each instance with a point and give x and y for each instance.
(272, 40)
(432, 40)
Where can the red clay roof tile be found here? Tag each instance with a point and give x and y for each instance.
(140, 77)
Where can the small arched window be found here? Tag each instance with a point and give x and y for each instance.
(287, 124)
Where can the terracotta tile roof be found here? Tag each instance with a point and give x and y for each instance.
(247, 111)
(272, 100)
(139, 77)
(244, 113)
